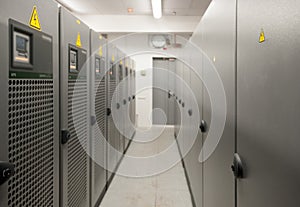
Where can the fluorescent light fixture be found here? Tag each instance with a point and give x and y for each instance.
(157, 8)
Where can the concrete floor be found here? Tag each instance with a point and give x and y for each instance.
(168, 189)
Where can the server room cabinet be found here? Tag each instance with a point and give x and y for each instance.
(177, 115)
(193, 167)
(129, 109)
(98, 148)
(132, 102)
(122, 99)
(29, 127)
(268, 103)
(179, 98)
(112, 131)
(74, 111)
(216, 37)
(171, 86)
(133, 65)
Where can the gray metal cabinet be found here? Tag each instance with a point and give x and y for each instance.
(29, 106)
(171, 88)
(98, 116)
(74, 110)
(179, 85)
(219, 45)
(193, 167)
(112, 132)
(186, 122)
(159, 94)
(177, 115)
(121, 97)
(216, 37)
(268, 103)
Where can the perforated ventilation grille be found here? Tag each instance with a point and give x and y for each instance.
(31, 146)
(100, 112)
(111, 134)
(77, 157)
(100, 104)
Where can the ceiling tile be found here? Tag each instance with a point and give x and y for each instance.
(172, 4)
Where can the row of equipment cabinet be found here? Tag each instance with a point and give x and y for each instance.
(57, 83)
(254, 47)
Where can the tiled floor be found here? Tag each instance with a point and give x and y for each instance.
(168, 189)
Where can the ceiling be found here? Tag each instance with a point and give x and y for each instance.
(181, 16)
(140, 7)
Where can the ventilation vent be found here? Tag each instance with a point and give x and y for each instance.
(31, 142)
(100, 104)
(77, 157)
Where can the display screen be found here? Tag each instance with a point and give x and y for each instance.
(73, 60)
(97, 66)
(21, 47)
(21, 44)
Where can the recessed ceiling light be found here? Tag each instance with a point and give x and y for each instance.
(130, 10)
(157, 8)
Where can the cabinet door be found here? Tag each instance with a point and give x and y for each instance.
(268, 103)
(218, 43)
(160, 95)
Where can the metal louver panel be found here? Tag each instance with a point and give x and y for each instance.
(77, 145)
(31, 142)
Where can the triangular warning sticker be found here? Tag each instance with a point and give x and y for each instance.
(262, 36)
(34, 20)
(78, 41)
(101, 51)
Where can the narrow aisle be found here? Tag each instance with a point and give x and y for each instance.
(168, 189)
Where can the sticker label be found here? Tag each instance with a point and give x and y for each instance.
(262, 37)
(34, 20)
(113, 58)
(78, 41)
(101, 51)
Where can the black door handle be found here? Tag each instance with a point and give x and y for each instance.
(93, 120)
(108, 111)
(203, 126)
(65, 136)
(237, 167)
(7, 170)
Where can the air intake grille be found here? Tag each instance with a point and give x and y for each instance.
(31, 142)
(77, 157)
(100, 112)
(100, 104)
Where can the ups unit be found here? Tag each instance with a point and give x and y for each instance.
(112, 134)
(132, 94)
(29, 130)
(121, 93)
(74, 111)
(98, 152)
(130, 116)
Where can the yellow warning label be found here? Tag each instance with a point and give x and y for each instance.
(262, 37)
(34, 20)
(78, 41)
(78, 21)
(100, 51)
(121, 62)
(113, 58)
